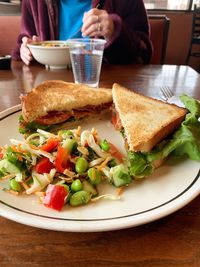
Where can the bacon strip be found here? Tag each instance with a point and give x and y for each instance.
(56, 117)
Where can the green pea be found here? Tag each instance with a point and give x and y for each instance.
(76, 185)
(14, 185)
(70, 145)
(94, 176)
(81, 165)
(80, 198)
(104, 145)
(66, 133)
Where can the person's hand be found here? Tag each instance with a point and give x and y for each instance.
(25, 52)
(97, 23)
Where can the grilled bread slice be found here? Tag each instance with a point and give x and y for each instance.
(61, 96)
(145, 121)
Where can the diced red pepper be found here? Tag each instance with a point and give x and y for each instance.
(115, 152)
(55, 197)
(50, 145)
(62, 159)
(44, 166)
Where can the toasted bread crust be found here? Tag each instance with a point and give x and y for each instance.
(146, 121)
(56, 95)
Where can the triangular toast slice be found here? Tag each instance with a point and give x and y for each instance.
(61, 96)
(146, 121)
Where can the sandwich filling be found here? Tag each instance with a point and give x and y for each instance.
(55, 119)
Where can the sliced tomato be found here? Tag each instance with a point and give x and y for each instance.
(62, 159)
(115, 120)
(44, 166)
(115, 152)
(1, 153)
(50, 145)
(53, 117)
(55, 197)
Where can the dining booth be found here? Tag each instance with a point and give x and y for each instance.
(159, 28)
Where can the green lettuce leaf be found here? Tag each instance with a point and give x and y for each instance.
(184, 142)
(193, 105)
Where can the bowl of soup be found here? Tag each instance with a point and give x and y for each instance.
(52, 54)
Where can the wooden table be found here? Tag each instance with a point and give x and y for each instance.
(171, 241)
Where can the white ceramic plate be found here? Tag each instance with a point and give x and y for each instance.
(171, 187)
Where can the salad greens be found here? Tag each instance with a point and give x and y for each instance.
(67, 167)
(62, 168)
(28, 128)
(185, 141)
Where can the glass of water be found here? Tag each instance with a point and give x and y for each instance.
(86, 58)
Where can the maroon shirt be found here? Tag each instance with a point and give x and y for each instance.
(40, 17)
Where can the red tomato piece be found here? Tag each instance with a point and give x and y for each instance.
(55, 197)
(44, 166)
(115, 120)
(115, 152)
(50, 145)
(53, 118)
(62, 158)
(1, 153)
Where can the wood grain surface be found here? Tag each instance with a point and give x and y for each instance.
(168, 242)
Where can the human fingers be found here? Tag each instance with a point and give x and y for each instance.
(35, 38)
(90, 20)
(97, 23)
(25, 53)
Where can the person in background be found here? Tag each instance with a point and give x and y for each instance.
(123, 24)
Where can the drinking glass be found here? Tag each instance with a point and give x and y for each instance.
(86, 58)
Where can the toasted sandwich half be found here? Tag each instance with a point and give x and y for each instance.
(54, 103)
(144, 123)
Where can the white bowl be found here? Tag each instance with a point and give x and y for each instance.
(52, 54)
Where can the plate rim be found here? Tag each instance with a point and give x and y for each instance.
(96, 225)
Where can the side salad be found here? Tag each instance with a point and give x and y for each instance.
(62, 168)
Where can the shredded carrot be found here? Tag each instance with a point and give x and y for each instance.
(26, 187)
(33, 147)
(78, 131)
(9, 191)
(20, 158)
(40, 194)
(28, 179)
(12, 192)
(94, 133)
(18, 149)
(104, 163)
(12, 175)
(119, 191)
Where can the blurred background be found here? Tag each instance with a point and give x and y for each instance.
(180, 14)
